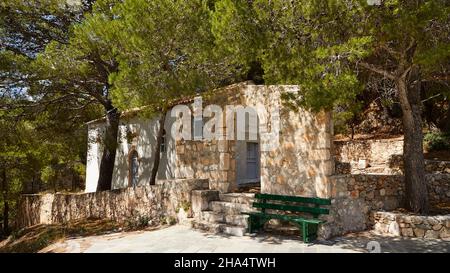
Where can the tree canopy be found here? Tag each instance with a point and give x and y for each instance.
(326, 46)
(63, 63)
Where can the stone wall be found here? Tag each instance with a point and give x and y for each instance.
(368, 156)
(299, 164)
(154, 202)
(399, 224)
(212, 160)
(382, 156)
(438, 188)
(354, 196)
(437, 166)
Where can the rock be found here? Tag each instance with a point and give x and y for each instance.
(383, 228)
(431, 234)
(437, 227)
(324, 232)
(354, 194)
(380, 204)
(445, 234)
(425, 226)
(418, 232)
(362, 164)
(433, 221)
(416, 220)
(407, 232)
(407, 219)
(382, 192)
(394, 229)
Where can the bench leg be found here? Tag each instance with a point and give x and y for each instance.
(255, 223)
(252, 223)
(309, 232)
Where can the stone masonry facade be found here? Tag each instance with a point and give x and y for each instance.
(154, 202)
(299, 165)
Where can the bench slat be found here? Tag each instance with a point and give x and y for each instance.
(285, 217)
(290, 208)
(311, 200)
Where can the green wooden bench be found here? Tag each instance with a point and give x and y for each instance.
(283, 207)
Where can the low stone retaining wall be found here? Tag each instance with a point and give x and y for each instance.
(154, 202)
(399, 224)
(437, 166)
(382, 156)
(354, 196)
(362, 156)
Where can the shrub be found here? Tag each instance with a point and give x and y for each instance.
(137, 222)
(437, 141)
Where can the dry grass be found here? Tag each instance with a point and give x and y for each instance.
(35, 238)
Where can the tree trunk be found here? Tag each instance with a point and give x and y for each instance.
(109, 149)
(32, 182)
(55, 181)
(415, 184)
(6, 217)
(5, 202)
(157, 154)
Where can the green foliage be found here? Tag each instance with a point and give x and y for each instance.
(318, 44)
(35, 23)
(296, 43)
(437, 141)
(185, 205)
(137, 222)
(164, 50)
(345, 118)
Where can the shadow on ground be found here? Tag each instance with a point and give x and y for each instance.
(389, 244)
(361, 242)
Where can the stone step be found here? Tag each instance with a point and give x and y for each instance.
(219, 228)
(212, 217)
(218, 217)
(241, 198)
(206, 226)
(229, 208)
(237, 220)
(233, 230)
(376, 169)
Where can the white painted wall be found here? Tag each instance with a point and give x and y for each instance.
(144, 144)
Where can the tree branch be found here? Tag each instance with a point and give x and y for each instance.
(391, 51)
(376, 69)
